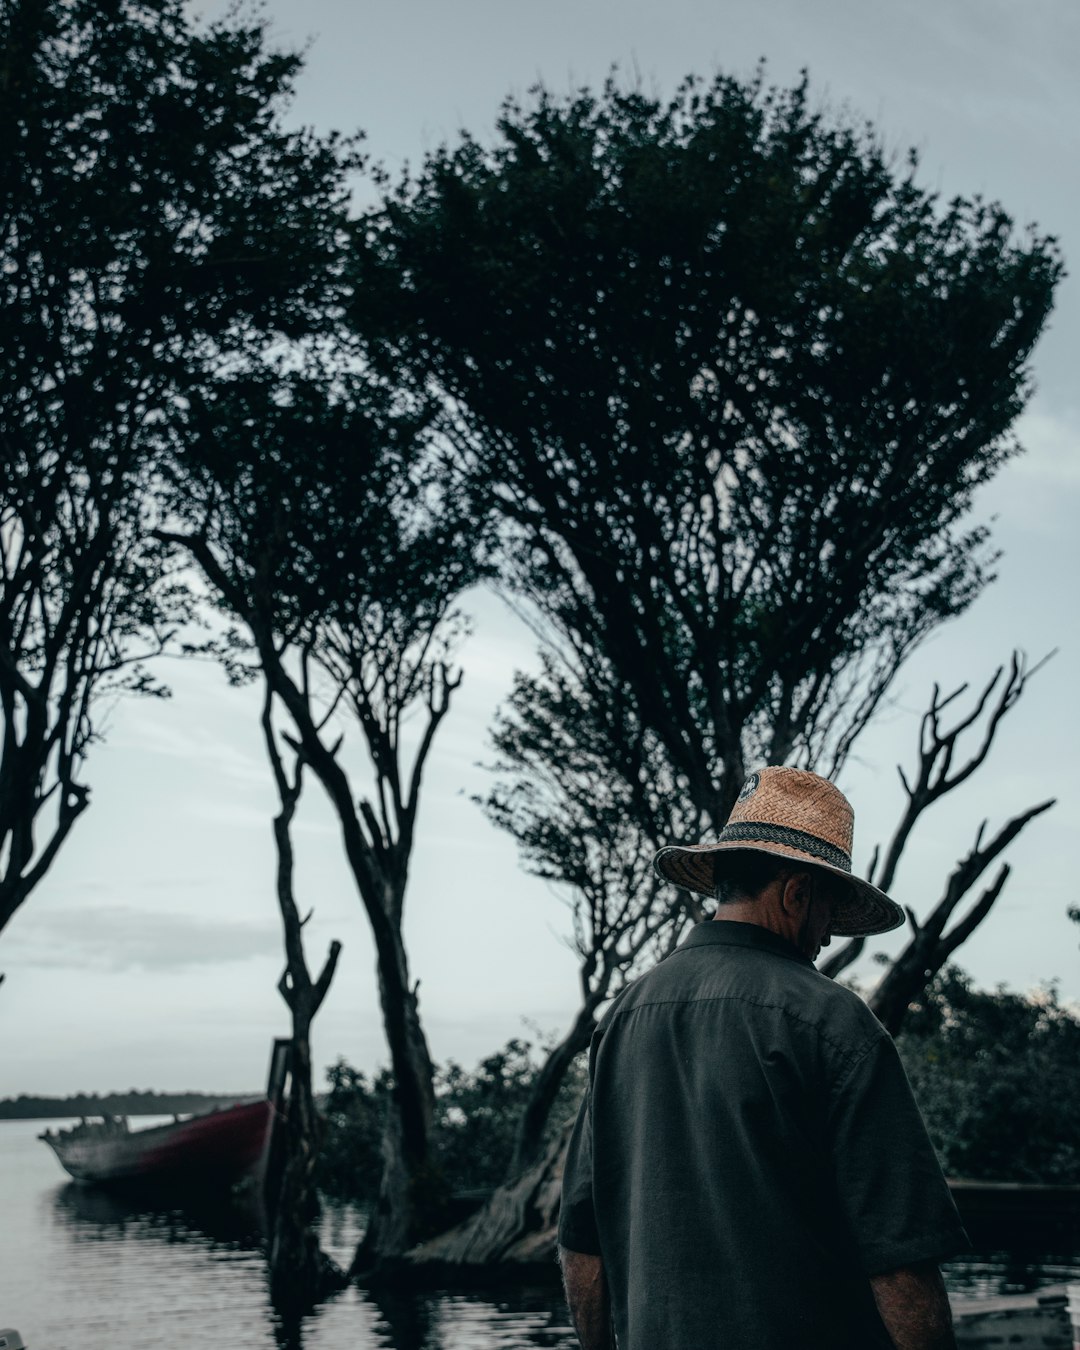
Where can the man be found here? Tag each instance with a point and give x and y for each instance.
(749, 1170)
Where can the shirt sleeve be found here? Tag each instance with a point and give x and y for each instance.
(891, 1188)
(577, 1218)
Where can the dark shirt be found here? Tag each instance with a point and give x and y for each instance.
(748, 1153)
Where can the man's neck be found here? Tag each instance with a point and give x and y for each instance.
(764, 912)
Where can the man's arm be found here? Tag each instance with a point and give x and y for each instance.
(914, 1307)
(587, 1294)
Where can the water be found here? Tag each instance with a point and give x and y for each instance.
(80, 1270)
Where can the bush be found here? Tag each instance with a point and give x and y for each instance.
(350, 1159)
(997, 1076)
(476, 1116)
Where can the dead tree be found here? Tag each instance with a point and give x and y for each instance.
(940, 772)
(299, 1271)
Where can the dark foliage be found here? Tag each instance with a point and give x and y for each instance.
(478, 1112)
(158, 225)
(130, 1103)
(476, 1118)
(730, 377)
(350, 1161)
(996, 1076)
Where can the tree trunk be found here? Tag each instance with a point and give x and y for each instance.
(411, 1198)
(414, 1071)
(517, 1225)
(300, 1272)
(528, 1144)
(379, 865)
(403, 1214)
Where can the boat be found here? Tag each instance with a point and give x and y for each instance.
(209, 1151)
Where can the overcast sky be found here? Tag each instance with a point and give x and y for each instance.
(150, 955)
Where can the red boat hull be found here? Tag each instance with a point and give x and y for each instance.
(215, 1149)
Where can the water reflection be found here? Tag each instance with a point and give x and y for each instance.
(211, 1258)
(517, 1317)
(405, 1319)
(99, 1215)
(112, 1272)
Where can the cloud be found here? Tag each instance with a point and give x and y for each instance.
(116, 937)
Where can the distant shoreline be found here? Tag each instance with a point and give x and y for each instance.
(117, 1104)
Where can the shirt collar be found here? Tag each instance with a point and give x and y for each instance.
(730, 933)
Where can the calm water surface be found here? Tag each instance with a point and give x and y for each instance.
(82, 1271)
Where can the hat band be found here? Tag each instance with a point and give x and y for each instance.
(760, 832)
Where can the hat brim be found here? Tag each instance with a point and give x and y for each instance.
(863, 912)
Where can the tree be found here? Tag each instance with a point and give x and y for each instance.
(587, 826)
(307, 500)
(731, 380)
(157, 221)
(299, 1272)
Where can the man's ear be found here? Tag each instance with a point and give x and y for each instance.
(795, 892)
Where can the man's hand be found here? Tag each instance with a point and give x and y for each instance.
(587, 1295)
(914, 1307)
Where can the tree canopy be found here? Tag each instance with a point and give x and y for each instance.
(731, 377)
(158, 225)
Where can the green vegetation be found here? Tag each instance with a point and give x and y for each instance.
(476, 1116)
(995, 1074)
(997, 1077)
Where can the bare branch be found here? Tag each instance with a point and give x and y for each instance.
(964, 929)
(930, 946)
(326, 975)
(937, 747)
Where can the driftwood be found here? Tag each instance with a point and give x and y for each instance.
(515, 1228)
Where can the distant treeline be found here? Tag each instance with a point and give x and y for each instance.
(113, 1104)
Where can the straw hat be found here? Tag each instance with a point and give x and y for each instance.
(797, 815)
